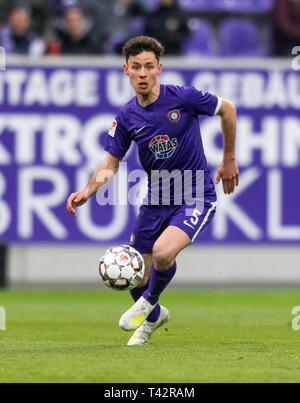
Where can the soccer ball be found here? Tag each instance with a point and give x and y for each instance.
(122, 268)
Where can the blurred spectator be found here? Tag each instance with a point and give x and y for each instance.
(115, 21)
(3, 6)
(17, 36)
(286, 18)
(169, 24)
(40, 11)
(119, 18)
(78, 34)
(91, 7)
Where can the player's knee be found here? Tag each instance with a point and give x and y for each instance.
(162, 259)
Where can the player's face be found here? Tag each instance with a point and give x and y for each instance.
(143, 71)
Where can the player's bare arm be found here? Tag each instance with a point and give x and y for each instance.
(228, 170)
(100, 178)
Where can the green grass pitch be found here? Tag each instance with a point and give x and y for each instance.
(214, 336)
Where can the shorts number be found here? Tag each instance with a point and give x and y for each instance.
(194, 219)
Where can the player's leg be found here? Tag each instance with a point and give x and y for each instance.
(148, 259)
(137, 292)
(149, 226)
(157, 317)
(141, 241)
(181, 232)
(143, 333)
(172, 241)
(162, 272)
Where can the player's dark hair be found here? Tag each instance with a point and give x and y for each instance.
(143, 44)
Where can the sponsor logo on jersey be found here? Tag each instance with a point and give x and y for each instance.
(162, 147)
(112, 130)
(174, 116)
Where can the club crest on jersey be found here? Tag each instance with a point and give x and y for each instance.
(112, 130)
(174, 116)
(162, 147)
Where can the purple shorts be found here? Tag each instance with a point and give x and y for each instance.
(153, 220)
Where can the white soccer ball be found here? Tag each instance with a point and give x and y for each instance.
(122, 268)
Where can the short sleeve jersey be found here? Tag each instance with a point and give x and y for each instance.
(167, 134)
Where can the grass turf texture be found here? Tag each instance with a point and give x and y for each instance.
(214, 336)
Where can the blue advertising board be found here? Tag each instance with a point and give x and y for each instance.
(52, 125)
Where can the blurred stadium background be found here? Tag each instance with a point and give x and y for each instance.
(61, 85)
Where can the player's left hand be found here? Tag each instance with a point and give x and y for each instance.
(229, 173)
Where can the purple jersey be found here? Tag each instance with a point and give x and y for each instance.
(168, 137)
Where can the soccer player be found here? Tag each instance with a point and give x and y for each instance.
(163, 121)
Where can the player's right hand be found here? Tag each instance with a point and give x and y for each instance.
(76, 200)
(229, 173)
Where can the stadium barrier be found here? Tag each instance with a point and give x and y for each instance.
(54, 113)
